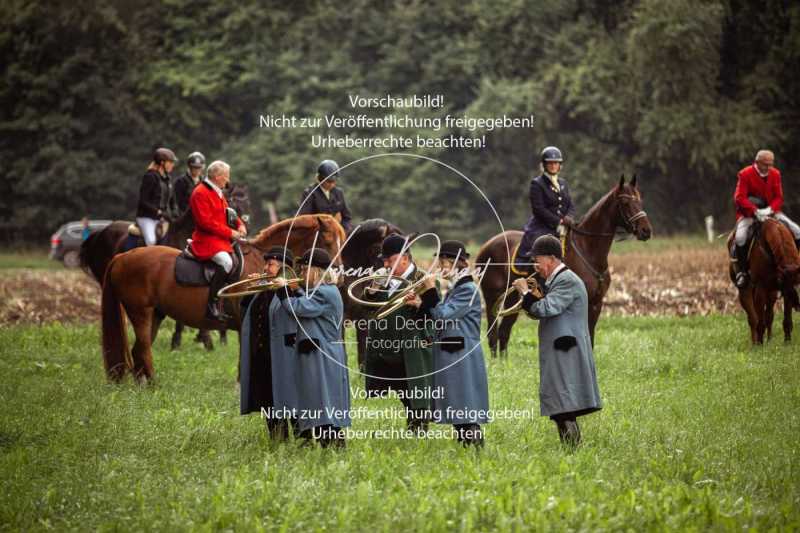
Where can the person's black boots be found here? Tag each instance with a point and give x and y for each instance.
(213, 310)
(742, 276)
(569, 432)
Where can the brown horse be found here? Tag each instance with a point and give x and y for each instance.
(587, 248)
(98, 249)
(142, 283)
(774, 268)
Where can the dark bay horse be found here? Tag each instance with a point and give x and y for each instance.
(361, 251)
(588, 245)
(141, 283)
(98, 249)
(774, 268)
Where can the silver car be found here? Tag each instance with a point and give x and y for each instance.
(65, 244)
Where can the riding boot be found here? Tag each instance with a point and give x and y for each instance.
(742, 276)
(218, 281)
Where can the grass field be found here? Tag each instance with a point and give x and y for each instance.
(698, 431)
(29, 259)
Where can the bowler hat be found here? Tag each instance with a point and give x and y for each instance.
(316, 257)
(546, 245)
(391, 245)
(452, 249)
(281, 254)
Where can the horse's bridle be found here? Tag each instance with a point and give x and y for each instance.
(628, 224)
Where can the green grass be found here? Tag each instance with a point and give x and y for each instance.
(672, 243)
(699, 431)
(33, 258)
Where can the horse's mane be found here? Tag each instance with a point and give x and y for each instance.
(781, 241)
(373, 224)
(598, 205)
(303, 222)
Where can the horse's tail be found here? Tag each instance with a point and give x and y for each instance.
(116, 356)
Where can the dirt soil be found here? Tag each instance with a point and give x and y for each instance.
(681, 282)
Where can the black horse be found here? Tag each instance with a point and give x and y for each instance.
(361, 251)
(100, 247)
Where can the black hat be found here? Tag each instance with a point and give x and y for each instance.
(317, 257)
(278, 252)
(551, 153)
(393, 244)
(452, 249)
(328, 169)
(546, 245)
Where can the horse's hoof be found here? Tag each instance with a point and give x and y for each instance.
(175, 345)
(503, 354)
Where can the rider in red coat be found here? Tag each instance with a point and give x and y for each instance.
(759, 183)
(213, 235)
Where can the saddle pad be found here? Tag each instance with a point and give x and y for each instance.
(191, 272)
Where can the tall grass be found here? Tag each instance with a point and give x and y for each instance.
(698, 431)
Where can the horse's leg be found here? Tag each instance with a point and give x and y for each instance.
(142, 356)
(492, 322)
(177, 335)
(594, 316)
(787, 319)
(505, 332)
(223, 337)
(760, 305)
(746, 300)
(769, 313)
(204, 336)
(361, 344)
(158, 318)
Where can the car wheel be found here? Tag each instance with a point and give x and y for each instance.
(72, 259)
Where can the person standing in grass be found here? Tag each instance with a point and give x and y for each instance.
(459, 365)
(267, 355)
(321, 379)
(567, 378)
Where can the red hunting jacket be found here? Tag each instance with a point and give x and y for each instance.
(751, 184)
(211, 233)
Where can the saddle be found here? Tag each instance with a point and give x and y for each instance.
(135, 239)
(191, 272)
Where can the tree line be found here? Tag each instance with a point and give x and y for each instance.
(681, 93)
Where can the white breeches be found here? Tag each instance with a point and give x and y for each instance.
(148, 228)
(224, 260)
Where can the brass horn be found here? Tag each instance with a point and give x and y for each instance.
(501, 311)
(394, 303)
(256, 284)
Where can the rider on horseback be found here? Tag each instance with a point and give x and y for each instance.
(758, 194)
(213, 234)
(326, 197)
(551, 206)
(185, 184)
(156, 202)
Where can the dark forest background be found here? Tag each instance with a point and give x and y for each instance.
(681, 92)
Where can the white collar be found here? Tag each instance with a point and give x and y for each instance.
(395, 283)
(555, 271)
(764, 175)
(213, 186)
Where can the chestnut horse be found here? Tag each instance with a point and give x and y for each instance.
(142, 283)
(587, 248)
(774, 268)
(98, 249)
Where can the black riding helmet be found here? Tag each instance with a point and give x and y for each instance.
(328, 168)
(196, 160)
(551, 153)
